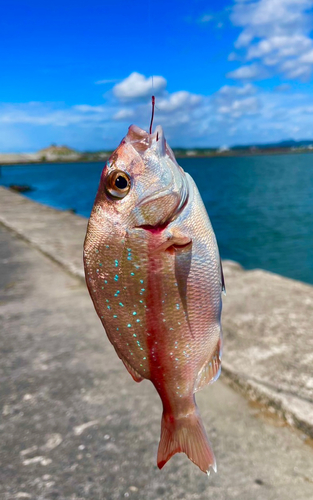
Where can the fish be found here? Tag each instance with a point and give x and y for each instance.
(154, 274)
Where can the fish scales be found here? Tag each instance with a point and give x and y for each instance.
(153, 272)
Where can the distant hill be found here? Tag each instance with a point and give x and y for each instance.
(63, 153)
(287, 144)
(57, 150)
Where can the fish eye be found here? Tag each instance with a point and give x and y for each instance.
(117, 184)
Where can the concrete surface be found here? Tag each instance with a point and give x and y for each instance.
(75, 426)
(267, 319)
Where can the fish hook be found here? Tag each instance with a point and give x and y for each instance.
(152, 115)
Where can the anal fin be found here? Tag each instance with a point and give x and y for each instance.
(132, 371)
(211, 370)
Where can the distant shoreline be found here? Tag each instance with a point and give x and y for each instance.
(17, 159)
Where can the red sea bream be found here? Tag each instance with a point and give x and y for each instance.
(154, 274)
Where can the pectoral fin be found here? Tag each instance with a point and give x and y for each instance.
(222, 279)
(180, 246)
(173, 242)
(183, 257)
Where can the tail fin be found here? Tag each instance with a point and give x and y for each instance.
(186, 435)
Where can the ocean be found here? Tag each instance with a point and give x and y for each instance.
(261, 207)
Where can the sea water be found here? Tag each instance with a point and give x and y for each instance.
(261, 207)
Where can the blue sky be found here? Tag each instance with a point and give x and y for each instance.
(225, 72)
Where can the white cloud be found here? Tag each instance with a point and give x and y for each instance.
(86, 108)
(103, 82)
(232, 91)
(276, 33)
(124, 114)
(137, 86)
(181, 100)
(284, 87)
(293, 70)
(206, 18)
(236, 102)
(270, 17)
(173, 111)
(307, 58)
(281, 46)
(250, 105)
(54, 114)
(248, 72)
(234, 114)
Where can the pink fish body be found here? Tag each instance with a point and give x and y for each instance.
(153, 271)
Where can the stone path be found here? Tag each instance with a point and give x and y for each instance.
(75, 426)
(267, 319)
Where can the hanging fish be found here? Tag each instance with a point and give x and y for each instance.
(154, 274)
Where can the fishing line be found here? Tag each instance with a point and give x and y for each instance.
(152, 114)
(152, 82)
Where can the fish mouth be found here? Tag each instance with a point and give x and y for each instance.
(141, 140)
(174, 195)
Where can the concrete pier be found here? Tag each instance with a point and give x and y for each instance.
(75, 426)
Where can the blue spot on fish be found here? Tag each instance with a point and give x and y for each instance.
(116, 277)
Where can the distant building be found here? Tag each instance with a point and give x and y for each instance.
(223, 149)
